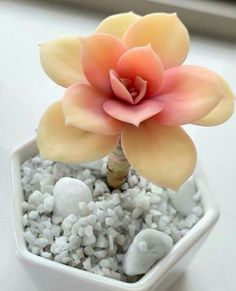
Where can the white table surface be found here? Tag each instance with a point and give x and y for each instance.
(25, 92)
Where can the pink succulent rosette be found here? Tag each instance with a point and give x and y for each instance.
(127, 82)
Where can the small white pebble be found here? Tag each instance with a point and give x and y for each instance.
(41, 242)
(105, 263)
(148, 219)
(106, 272)
(116, 199)
(89, 251)
(142, 182)
(118, 210)
(68, 192)
(153, 225)
(35, 250)
(75, 241)
(90, 219)
(101, 241)
(155, 199)
(80, 253)
(191, 219)
(136, 212)
(81, 231)
(88, 230)
(198, 210)
(121, 239)
(89, 240)
(183, 199)
(124, 186)
(111, 243)
(155, 212)
(133, 180)
(86, 174)
(100, 254)
(182, 224)
(109, 221)
(29, 237)
(25, 220)
(36, 178)
(49, 203)
(111, 213)
(46, 255)
(25, 206)
(100, 188)
(115, 275)
(142, 202)
(111, 231)
(36, 198)
(132, 230)
(87, 264)
(48, 235)
(155, 189)
(83, 208)
(56, 230)
(197, 196)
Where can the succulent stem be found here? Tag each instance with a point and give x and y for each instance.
(117, 167)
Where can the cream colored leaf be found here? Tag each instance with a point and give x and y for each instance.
(165, 155)
(60, 60)
(68, 144)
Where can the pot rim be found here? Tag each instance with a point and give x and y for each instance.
(157, 272)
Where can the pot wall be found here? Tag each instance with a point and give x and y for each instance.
(50, 276)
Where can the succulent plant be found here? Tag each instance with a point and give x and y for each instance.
(127, 96)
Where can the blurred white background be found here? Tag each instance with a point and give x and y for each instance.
(25, 92)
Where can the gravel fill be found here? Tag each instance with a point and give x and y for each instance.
(97, 239)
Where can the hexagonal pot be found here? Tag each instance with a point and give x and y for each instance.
(49, 275)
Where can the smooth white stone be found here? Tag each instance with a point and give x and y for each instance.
(158, 244)
(183, 200)
(68, 193)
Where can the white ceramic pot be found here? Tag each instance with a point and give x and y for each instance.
(50, 276)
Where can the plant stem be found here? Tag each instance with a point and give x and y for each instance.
(117, 167)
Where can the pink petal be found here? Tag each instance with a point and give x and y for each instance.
(82, 108)
(133, 114)
(140, 86)
(143, 62)
(188, 93)
(119, 88)
(99, 54)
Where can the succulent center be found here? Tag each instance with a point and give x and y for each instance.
(131, 91)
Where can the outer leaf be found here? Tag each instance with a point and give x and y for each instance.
(60, 60)
(165, 32)
(68, 144)
(117, 24)
(164, 155)
(222, 111)
(188, 94)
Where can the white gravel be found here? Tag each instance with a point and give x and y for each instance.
(97, 236)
